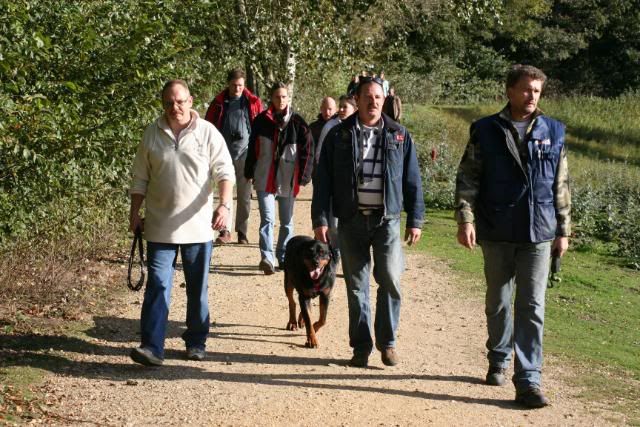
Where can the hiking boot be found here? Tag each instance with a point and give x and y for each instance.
(195, 353)
(495, 376)
(389, 356)
(242, 238)
(359, 360)
(145, 357)
(224, 237)
(532, 398)
(266, 267)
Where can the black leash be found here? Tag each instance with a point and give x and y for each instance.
(137, 241)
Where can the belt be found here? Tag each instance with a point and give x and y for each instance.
(367, 212)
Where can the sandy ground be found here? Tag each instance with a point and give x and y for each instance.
(258, 373)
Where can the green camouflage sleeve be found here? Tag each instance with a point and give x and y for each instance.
(468, 180)
(562, 195)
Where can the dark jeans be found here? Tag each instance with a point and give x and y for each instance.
(357, 236)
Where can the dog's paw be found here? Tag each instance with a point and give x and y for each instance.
(292, 326)
(312, 343)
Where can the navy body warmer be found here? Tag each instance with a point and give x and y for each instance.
(516, 201)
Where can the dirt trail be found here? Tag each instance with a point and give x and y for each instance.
(257, 373)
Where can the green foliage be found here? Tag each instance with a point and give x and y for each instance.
(79, 81)
(604, 145)
(440, 143)
(461, 49)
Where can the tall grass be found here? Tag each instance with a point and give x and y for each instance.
(603, 140)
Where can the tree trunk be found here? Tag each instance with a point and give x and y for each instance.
(291, 70)
(251, 81)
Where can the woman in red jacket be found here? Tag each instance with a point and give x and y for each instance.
(279, 161)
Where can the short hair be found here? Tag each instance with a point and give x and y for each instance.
(235, 74)
(517, 71)
(276, 86)
(175, 82)
(349, 99)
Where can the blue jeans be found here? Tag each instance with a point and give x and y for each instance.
(524, 266)
(357, 236)
(161, 262)
(266, 203)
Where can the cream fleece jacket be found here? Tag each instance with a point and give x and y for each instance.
(177, 180)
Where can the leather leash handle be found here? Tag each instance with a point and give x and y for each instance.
(137, 241)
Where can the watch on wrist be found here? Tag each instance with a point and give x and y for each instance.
(226, 205)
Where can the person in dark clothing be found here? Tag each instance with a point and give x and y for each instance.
(328, 110)
(512, 197)
(392, 106)
(353, 85)
(367, 174)
(233, 111)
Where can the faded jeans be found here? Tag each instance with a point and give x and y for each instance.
(267, 202)
(161, 263)
(357, 236)
(525, 267)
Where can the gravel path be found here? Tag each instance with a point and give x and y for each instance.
(258, 373)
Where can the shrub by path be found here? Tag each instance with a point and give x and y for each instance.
(258, 373)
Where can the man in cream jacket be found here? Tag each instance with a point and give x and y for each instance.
(179, 160)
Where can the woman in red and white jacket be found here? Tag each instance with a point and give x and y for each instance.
(279, 161)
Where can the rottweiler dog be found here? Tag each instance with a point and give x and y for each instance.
(310, 269)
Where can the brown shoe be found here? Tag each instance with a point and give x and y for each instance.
(531, 398)
(224, 237)
(242, 238)
(389, 356)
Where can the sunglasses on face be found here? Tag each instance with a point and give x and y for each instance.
(365, 80)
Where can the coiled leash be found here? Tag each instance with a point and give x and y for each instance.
(137, 241)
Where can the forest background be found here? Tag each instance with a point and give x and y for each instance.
(79, 81)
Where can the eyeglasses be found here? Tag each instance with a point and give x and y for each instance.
(368, 79)
(169, 104)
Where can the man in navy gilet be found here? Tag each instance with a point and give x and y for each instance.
(512, 197)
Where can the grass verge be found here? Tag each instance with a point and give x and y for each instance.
(591, 315)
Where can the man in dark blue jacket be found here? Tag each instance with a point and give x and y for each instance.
(368, 172)
(513, 183)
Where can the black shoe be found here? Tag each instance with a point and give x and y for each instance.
(359, 360)
(266, 267)
(195, 353)
(389, 356)
(145, 357)
(496, 376)
(242, 238)
(532, 398)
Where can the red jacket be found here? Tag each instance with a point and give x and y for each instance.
(215, 112)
